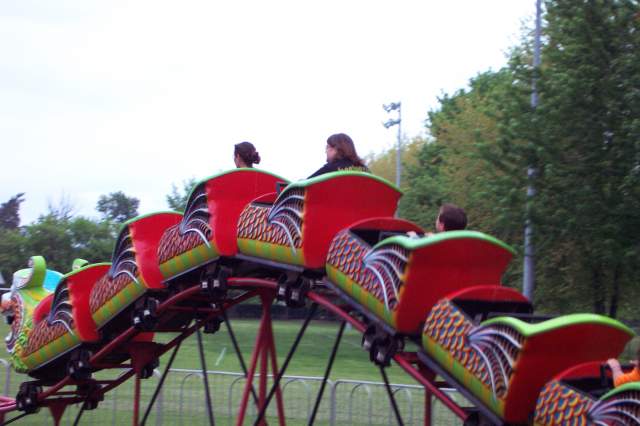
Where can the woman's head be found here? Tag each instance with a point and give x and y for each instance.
(341, 147)
(245, 155)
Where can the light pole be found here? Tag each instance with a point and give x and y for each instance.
(528, 271)
(391, 122)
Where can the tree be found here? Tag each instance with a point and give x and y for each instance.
(384, 163)
(450, 168)
(589, 88)
(13, 253)
(10, 212)
(582, 140)
(91, 240)
(117, 207)
(49, 236)
(177, 199)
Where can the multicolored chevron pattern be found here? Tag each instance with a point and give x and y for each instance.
(188, 244)
(120, 286)
(483, 356)
(379, 273)
(620, 406)
(559, 404)
(274, 232)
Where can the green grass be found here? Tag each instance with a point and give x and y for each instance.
(311, 358)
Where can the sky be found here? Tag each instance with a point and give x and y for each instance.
(134, 96)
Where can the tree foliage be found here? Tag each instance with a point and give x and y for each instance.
(60, 237)
(384, 163)
(118, 207)
(582, 140)
(10, 212)
(13, 252)
(177, 199)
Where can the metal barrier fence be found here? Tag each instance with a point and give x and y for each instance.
(182, 402)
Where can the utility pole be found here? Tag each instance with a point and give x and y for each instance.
(528, 273)
(391, 122)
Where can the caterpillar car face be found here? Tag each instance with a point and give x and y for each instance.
(12, 317)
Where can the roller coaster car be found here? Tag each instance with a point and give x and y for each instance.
(29, 287)
(209, 226)
(294, 229)
(399, 279)
(503, 362)
(584, 395)
(59, 324)
(133, 273)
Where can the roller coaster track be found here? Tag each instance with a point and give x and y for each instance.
(57, 396)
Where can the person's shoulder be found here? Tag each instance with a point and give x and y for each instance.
(322, 170)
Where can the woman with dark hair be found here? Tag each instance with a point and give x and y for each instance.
(245, 154)
(341, 155)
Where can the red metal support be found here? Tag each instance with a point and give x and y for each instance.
(430, 375)
(406, 360)
(264, 349)
(274, 369)
(427, 408)
(263, 359)
(57, 410)
(136, 400)
(252, 368)
(262, 393)
(6, 405)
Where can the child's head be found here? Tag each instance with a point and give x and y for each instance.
(451, 218)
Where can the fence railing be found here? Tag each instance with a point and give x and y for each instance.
(182, 401)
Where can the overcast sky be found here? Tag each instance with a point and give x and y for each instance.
(102, 96)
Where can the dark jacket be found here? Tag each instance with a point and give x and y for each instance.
(339, 165)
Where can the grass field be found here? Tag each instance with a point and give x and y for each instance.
(181, 391)
(310, 358)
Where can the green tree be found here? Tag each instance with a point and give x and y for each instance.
(118, 207)
(583, 142)
(13, 253)
(10, 212)
(177, 199)
(92, 240)
(384, 164)
(451, 167)
(49, 236)
(590, 149)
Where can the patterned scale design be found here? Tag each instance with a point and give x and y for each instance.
(17, 309)
(123, 271)
(61, 309)
(280, 224)
(43, 334)
(498, 346)
(488, 352)
(561, 404)
(622, 408)
(348, 254)
(105, 289)
(448, 326)
(192, 231)
(57, 323)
